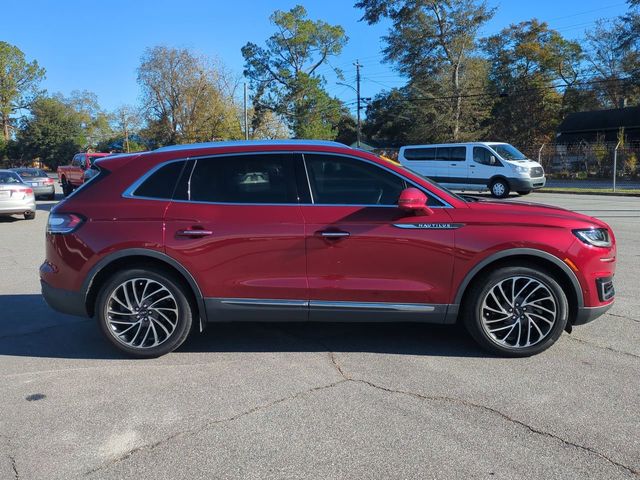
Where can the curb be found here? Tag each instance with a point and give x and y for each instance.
(590, 192)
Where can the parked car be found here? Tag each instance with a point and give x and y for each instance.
(72, 176)
(16, 197)
(40, 182)
(314, 231)
(497, 167)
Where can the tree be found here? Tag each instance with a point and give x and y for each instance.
(612, 63)
(284, 74)
(432, 38)
(390, 119)
(96, 123)
(530, 64)
(126, 121)
(186, 98)
(19, 82)
(52, 132)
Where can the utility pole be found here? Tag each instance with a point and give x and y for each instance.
(246, 122)
(357, 64)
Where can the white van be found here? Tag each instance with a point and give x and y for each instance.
(497, 167)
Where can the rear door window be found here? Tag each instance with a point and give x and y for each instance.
(245, 179)
(420, 154)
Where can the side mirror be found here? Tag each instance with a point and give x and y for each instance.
(492, 160)
(413, 200)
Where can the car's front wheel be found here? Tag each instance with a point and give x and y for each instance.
(144, 312)
(67, 188)
(516, 311)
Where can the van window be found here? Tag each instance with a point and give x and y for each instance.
(458, 154)
(420, 154)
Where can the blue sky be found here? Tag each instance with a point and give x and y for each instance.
(96, 45)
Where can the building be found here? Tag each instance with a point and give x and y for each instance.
(600, 125)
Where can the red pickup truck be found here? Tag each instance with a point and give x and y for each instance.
(72, 176)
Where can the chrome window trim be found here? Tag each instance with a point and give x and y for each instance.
(128, 193)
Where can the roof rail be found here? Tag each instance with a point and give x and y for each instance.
(240, 143)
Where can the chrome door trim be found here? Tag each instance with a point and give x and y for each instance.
(264, 302)
(397, 307)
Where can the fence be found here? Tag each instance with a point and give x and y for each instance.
(582, 161)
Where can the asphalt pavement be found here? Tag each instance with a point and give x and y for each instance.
(261, 401)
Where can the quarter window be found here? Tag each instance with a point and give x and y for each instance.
(161, 183)
(346, 181)
(267, 178)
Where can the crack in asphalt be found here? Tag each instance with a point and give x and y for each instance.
(442, 398)
(11, 457)
(191, 431)
(624, 316)
(602, 347)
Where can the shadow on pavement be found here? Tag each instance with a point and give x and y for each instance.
(28, 327)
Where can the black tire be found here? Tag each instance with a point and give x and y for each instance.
(67, 188)
(472, 312)
(524, 192)
(184, 314)
(29, 215)
(499, 188)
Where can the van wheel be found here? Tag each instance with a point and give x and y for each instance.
(144, 312)
(524, 192)
(516, 311)
(499, 188)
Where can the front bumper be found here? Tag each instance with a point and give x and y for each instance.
(64, 301)
(588, 314)
(526, 184)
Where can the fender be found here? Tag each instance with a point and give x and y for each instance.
(532, 252)
(144, 252)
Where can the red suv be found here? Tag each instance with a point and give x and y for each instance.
(160, 243)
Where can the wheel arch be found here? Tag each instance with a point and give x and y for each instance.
(140, 257)
(498, 176)
(560, 270)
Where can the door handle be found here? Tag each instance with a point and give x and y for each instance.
(472, 166)
(453, 164)
(330, 234)
(193, 233)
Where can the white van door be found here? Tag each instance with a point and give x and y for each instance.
(423, 160)
(458, 170)
(482, 168)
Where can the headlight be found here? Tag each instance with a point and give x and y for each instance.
(519, 169)
(598, 237)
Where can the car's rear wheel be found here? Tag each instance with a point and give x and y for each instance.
(516, 311)
(144, 312)
(499, 188)
(524, 192)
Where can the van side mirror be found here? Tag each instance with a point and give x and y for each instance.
(492, 160)
(414, 201)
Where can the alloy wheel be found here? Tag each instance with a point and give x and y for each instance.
(141, 313)
(518, 312)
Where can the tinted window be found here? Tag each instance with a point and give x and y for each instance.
(265, 178)
(77, 160)
(458, 154)
(162, 182)
(9, 178)
(347, 181)
(420, 154)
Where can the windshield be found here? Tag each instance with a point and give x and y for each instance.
(7, 178)
(426, 179)
(28, 173)
(509, 152)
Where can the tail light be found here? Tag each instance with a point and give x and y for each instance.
(49, 181)
(21, 192)
(61, 223)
